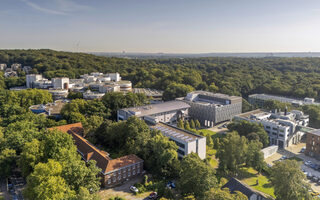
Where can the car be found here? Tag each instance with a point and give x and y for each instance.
(315, 179)
(303, 150)
(308, 163)
(171, 184)
(283, 157)
(224, 125)
(134, 189)
(309, 175)
(153, 195)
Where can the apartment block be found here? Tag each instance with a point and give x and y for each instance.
(313, 143)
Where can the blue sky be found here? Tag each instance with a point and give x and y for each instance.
(169, 26)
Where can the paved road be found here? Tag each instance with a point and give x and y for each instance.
(3, 189)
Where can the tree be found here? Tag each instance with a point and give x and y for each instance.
(180, 124)
(175, 90)
(46, 183)
(245, 128)
(7, 161)
(192, 124)
(32, 153)
(75, 95)
(254, 155)
(186, 125)
(197, 124)
(232, 152)
(289, 181)
(163, 156)
(195, 172)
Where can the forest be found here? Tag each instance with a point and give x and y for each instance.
(295, 77)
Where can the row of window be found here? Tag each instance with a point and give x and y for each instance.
(124, 176)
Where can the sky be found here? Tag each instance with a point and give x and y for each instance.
(166, 26)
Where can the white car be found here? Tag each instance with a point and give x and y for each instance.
(308, 163)
(134, 189)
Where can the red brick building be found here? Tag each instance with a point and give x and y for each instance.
(113, 171)
(313, 143)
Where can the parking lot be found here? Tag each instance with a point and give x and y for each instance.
(294, 151)
(123, 191)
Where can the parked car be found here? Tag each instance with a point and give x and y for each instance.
(315, 179)
(309, 175)
(283, 157)
(303, 150)
(308, 163)
(134, 189)
(224, 125)
(171, 184)
(153, 195)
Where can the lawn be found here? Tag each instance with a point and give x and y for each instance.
(295, 158)
(1, 198)
(250, 177)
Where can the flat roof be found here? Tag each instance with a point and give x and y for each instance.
(148, 91)
(217, 95)
(253, 112)
(157, 108)
(175, 132)
(280, 98)
(315, 132)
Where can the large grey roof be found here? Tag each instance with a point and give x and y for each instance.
(157, 108)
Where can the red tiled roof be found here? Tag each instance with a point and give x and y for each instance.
(90, 152)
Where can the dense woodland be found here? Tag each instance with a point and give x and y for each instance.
(298, 77)
(26, 144)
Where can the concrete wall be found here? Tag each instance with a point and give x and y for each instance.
(269, 151)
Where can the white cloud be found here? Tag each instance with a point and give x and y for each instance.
(57, 7)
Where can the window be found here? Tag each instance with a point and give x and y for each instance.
(124, 175)
(129, 174)
(129, 169)
(109, 181)
(181, 152)
(134, 166)
(274, 129)
(134, 172)
(267, 127)
(114, 179)
(119, 178)
(119, 172)
(274, 133)
(282, 131)
(138, 170)
(280, 135)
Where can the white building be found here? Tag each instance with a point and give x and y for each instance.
(3, 66)
(114, 76)
(58, 93)
(109, 88)
(92, 95)
(186, 141)
(60, 83)
(31, 78)
(125, 86)
(283, 128)
(167, 112)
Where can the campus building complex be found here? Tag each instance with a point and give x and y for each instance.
(167, 112)
(113, 171)
(260, 99)
(283, 128)
(211, 108)
(186, 141)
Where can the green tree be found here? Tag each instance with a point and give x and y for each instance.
(254, 155)
(32, 153)
(180, 124)
(7, 161)
(289, 181)
(195, 172)
(187, 125)
(175, 90)
(232, 152)
(197, 124)
(192, 124)
(46, 183)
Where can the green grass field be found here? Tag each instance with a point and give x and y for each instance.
(250, 177)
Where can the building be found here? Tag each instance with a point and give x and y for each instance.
(235, 185)
(114, 76)
(125, 86)
(60, 83)
(260, 99)
(283, 128)
(313, 143)
(31, 78)
(27, 69)
(113, 171)
(154, 95)
(187, 142)
(50, 109)
(167, 112)
(92, 95)
(211, 108)
(10, 74)
(3, 66)
(109, 88)
(58, 93)
(16, 66)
